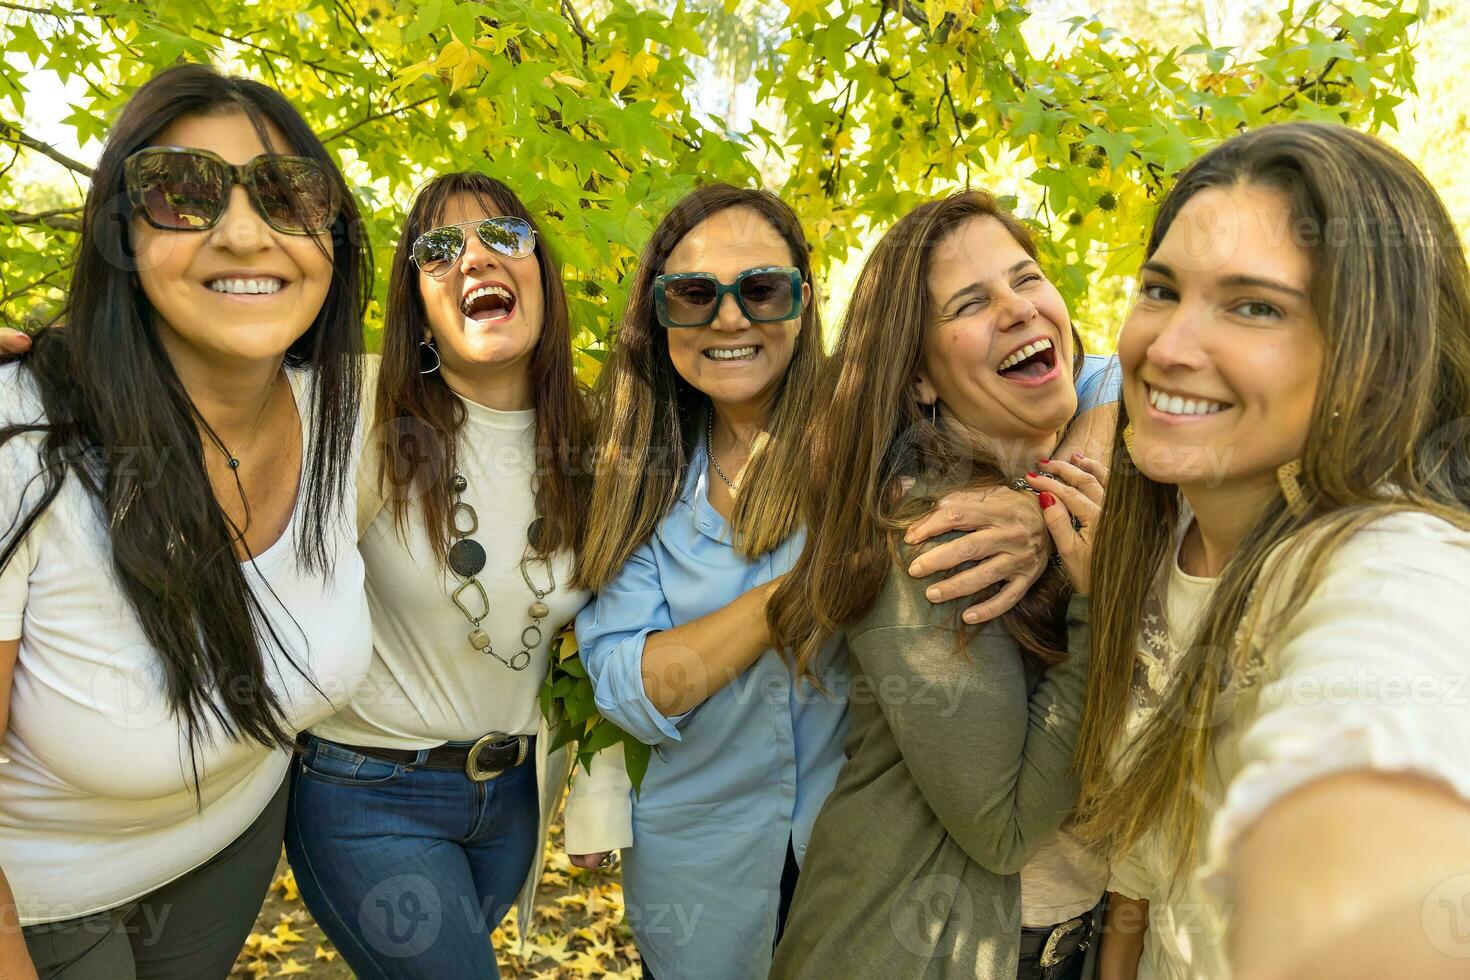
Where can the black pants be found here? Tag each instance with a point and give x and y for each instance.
(788, 888)
(189, 929)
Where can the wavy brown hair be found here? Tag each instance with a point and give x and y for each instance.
(871, 430)
(1391, 296)
(417, 417)
(648, 415)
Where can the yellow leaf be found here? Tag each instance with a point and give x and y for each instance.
(326, 954)
(569, 638)
(287, 884)
(617, 65)
(571, 81)
(284, 933)
(289, 967)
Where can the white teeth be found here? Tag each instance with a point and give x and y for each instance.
(731, 354)
(246, 286)
(1176, 405)
(1024, 353)
(487, 291)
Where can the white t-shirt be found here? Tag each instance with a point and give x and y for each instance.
(427, 684)
(96, 804)
(1366, 676)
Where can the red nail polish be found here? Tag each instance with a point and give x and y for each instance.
(1078, 456)
(1046, 498)
(1034, 476)
(1043, 462)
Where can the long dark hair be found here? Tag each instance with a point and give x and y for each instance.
(109, 389)
(646, 412)
(407, 399)
(870, 431)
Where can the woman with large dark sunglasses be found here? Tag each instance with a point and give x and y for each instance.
(179, 587)
(421, 810)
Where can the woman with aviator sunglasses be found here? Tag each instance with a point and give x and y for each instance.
(422, 808)
(179, 587)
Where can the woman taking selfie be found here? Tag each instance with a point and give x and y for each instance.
(179, 585)
(1274, 736)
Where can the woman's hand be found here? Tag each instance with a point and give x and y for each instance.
(13, 342)
(1007, 542)
(1070, 505)
(590, 861)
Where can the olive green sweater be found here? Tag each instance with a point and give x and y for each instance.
(958, 769)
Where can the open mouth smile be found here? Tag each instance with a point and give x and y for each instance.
(492, 301)
(1033, 363)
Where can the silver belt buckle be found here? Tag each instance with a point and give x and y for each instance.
(1049, 955)
(472, 770)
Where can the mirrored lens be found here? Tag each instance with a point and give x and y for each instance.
(436, 250)
(766, 295)
(295, 194)
(508, 236)
(179, 190)
(690, 301)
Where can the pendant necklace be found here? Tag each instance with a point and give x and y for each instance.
(232, 459)
(467, 560)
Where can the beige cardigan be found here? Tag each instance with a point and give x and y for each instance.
(599, 809)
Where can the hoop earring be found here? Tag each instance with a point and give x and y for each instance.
(1128, 438)
(934, 413)
(438, 361)
(1291, 488)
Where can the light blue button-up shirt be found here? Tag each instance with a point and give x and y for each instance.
(738, 776)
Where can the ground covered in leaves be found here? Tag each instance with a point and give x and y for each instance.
(578, 932)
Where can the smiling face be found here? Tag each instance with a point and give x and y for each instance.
(240, 291)
(1221, 353)
(738, 364)
(486, 311)
(998, 358)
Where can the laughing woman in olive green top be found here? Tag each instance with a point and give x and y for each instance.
(956, 366)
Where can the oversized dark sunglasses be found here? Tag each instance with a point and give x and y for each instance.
(692, 299)
(436, 250)
(176, 188)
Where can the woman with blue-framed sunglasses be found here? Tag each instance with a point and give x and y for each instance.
(769, 294)
(703, 405)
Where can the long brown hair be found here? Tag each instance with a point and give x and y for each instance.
(871, 430)
(647, 413)
(417, 417)
(1395, 385)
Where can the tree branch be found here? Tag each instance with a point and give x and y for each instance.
(577, 27)
(55, 218)
(339, 133)
(12, 134)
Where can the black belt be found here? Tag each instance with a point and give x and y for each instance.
(1054, 944)
(492, 755)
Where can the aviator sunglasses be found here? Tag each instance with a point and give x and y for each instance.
(176, 188)
(692, 299)
(436, 250)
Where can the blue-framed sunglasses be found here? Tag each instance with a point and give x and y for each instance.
(436, 250)
(692, 299)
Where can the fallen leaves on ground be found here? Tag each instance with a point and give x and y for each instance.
(578, 931)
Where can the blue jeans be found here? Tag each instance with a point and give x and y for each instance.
(407, 870)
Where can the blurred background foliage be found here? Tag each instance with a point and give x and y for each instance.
(601, 113)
